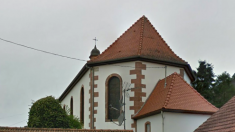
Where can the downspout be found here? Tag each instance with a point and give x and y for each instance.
(162, 121)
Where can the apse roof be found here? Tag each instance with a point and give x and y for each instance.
(177, 96)
(140, 40)
(222, 121)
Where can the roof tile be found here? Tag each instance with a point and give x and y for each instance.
(141, 39)
(222, 121)
(177, 95)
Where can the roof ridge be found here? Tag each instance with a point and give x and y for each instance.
(196, 92)
(119, 38)
(141, 35)
(169, 90)
(164, 40)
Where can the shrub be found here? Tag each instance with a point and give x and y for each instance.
(48, 113)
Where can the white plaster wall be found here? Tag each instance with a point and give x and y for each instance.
(153, 75)
(173, 122)
(182, 122)
(155, 122)
(103, 73)
(75, 92)
(186, 78)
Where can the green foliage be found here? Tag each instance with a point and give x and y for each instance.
(74, 122)
(217, 91)
(204, 79)
(47, 113)
(223, 90)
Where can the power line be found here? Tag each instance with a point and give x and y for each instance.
(41, 50)
(66, 56)
(17, 123)
(12, 115)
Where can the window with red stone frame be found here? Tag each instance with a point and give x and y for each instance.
(112, 97)
(147, 126)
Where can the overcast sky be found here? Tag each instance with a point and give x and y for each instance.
(194, 29)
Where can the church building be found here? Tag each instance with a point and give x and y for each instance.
(140, 68)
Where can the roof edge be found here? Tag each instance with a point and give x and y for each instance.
(147, 98)
(173, 111)
(74, 82)
(186, 66)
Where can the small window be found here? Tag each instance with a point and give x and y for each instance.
(71, 106)
(147, 127)
(82, 105)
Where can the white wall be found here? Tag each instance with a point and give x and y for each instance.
(103, 73)
(182, 122)
(153, 75)
(75, 92)
(173, 122)
(156, 123)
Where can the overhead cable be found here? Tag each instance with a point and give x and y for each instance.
(41, 50)
(68, 56)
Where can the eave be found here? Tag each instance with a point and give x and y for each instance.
(186, 66)
(74, 82)
(173, 111)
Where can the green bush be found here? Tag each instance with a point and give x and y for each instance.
(74, 122)
(48, 113)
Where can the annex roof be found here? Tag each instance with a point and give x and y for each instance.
(177, 96)
(140, 40)
(222, 121)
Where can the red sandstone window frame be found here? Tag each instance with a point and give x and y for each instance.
(106, 94)
(145, 126)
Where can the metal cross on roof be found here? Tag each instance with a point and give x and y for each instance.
(95, 40)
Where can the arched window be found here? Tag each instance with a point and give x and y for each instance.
(71, 106)
(113, 95)
(82, 105)
(147, 127)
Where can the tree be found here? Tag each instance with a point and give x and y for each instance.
(223, 89)
(204, 80)
(48, 113)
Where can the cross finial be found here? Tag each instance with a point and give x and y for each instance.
(95, 40)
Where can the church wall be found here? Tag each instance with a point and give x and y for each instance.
(183, 122)
(103, 73)
(155, 123)
(186, 78)
(153, 75)
(146, 76)
(75, 92)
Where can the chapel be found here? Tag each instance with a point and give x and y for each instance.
(140, 68)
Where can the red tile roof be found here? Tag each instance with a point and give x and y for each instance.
(222, 121)
(178, 96)
(18, 129)
(141, 39)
